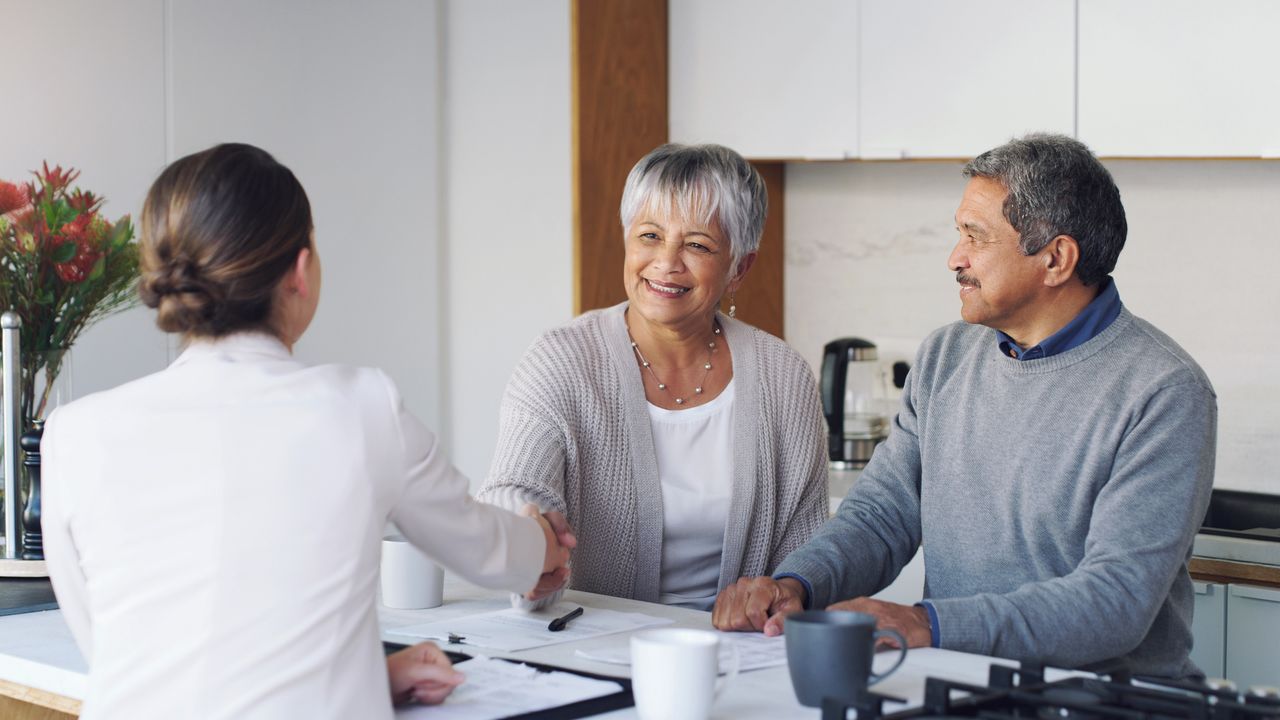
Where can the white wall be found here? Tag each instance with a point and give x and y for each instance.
(83, 86)
(867, 245)
(346, 95)
(433, 139)
(507, 203)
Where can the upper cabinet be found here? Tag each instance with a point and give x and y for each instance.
(769, 79)
(1180, 77)
(946, 79)
(881, 79)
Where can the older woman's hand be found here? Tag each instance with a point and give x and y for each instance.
(422, 673)
(560, 540)
(757, 603)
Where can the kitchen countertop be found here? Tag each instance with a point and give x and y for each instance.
(1237, 549)
(37, 651)
(1226, 559)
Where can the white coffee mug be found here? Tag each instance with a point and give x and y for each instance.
(410, 580)
(673, 673)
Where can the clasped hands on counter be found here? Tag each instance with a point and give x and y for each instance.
(763, 603)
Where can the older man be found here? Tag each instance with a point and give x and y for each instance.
(1053, 453)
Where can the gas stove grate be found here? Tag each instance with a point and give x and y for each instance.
(1023, 694)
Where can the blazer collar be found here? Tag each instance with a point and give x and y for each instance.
(237, 345)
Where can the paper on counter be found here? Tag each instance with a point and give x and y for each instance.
(513, 630)
(499, 689)
(755, 651)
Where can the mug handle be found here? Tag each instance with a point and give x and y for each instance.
(902, 645)
(724, 682)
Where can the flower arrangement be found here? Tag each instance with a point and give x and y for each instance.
(64, 266)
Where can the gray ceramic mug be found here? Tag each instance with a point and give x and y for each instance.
(829, 654)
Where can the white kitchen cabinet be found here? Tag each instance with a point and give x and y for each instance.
(1209, 629)
(1253, 635)
(948, 79)
(769, 79)
(1179, 77)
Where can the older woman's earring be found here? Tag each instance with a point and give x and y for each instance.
(733, 309)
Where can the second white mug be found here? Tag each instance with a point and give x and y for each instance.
(410, 580)
(673, 673)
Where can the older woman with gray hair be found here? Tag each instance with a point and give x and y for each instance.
(686, 448)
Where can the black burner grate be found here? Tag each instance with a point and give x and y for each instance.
(1023, 694)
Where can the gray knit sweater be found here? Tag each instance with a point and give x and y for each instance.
(1056, 498)
(575, 437)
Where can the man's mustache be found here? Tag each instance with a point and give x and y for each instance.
(967, 279)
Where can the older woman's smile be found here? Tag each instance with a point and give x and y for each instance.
(665, 289)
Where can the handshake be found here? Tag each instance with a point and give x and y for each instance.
(555, 563)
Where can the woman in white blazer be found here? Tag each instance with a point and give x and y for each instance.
(213, 530)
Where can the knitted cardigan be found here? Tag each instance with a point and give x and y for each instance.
(575, 437)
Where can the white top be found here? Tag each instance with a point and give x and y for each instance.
(213, 533)
(695, 468)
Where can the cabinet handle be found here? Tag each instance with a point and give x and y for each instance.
(1255, 592)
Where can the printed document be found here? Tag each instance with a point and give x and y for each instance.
(499, 688)
(755, 651)
(513, 630)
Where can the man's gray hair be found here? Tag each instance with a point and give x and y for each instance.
(1057, 187)
(701, 183)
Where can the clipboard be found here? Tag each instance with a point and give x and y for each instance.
(594, 706)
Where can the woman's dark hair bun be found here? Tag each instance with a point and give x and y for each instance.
(220, 228)
(185, 301)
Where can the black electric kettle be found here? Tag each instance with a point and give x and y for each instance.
(852, 401)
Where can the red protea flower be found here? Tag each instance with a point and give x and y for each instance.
(84, 202)
(56, 180)
(73, 253)
(77, 229)
(12, 197)
(79, 267)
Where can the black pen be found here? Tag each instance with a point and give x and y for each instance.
(561, 622)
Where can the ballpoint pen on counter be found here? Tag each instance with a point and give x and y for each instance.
(563, 621)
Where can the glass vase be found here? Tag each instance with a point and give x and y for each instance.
(46, 384)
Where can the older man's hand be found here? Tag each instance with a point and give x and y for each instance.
(911, 621)
(757, 603)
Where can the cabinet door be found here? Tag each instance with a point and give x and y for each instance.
(1180, 77)
(948, 79)
(1253, 635)
(769, 79)
(1209, 629)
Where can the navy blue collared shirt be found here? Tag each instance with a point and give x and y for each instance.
(1095, 318)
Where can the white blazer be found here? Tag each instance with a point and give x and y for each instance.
(213, 533)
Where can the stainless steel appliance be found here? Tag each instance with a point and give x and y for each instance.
(1241, 527)
(853, 401)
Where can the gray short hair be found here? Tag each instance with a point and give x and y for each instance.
(1057, 187)
(701, 182)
